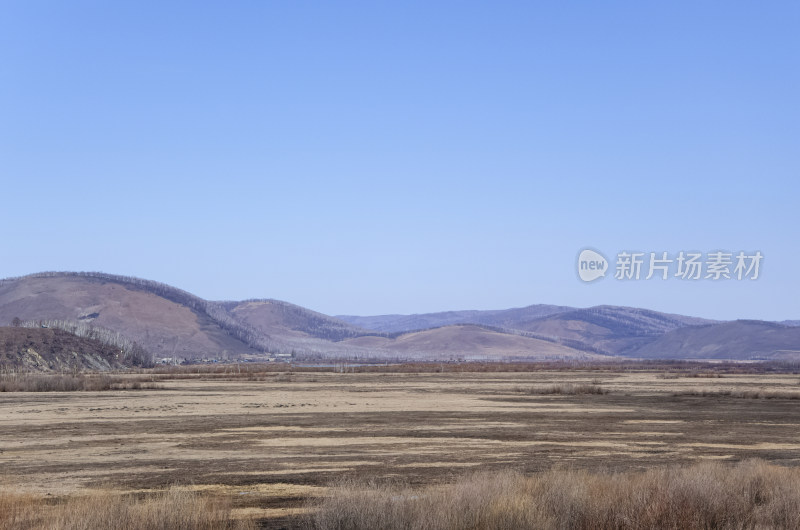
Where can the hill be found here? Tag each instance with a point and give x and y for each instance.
(609, 329)
(274, 317)
(470, 342)
(603, 329)
(169, 322)
(741, 339)
(504, 318)
(48, 349)
(164, 320)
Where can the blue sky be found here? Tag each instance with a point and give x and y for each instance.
(381, 157)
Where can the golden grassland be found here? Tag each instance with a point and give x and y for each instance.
(168, 510)
(430, 447)
(751, 494)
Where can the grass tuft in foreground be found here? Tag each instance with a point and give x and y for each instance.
(751, 494)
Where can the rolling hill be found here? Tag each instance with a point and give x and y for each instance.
(165, 321)
(740, 339)
(610, 330)
(503, 318)
(471, 342)
(169, 322)
(274, 317)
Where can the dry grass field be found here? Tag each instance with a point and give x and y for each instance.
(280, 449)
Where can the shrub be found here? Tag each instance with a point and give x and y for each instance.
(563, 388)
(751, 494)
(742, 394)
(70, 383)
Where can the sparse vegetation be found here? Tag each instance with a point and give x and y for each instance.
(743, 394)
(563, 388)
(216, 423)
(704, 374)
(131, 353)
(672, 369)
(22, 382)
(752, 494)
(677, 368)
(168, 510)
(59, 346)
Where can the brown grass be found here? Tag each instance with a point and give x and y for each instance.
(238, 369)
(563, 388)
(676, 375)
(170, 509)
(678, 368)
(742, 394)
(24, 382)
(751, 494)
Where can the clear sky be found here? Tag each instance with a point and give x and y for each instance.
(381, 157)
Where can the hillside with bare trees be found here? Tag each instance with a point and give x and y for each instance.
(45, 349)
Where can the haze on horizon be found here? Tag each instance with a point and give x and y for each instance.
(409, 158)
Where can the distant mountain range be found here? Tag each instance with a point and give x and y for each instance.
(741, 339)
(604, 329)
(169, 322)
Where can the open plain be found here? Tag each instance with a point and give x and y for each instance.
(271, 442)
